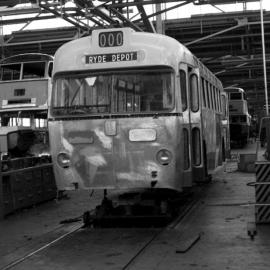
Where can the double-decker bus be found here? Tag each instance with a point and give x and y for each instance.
(239, 118)
(25, 80)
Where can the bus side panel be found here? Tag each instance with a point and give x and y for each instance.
(22, 91)
(218, 140)
(209, 136)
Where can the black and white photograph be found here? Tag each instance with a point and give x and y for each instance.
(134, 135)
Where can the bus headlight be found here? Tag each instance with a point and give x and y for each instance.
(63, 160)
(164, 157)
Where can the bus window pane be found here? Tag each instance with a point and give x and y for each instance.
(194, 93)
(203, 92)
(33, 70)
(235, 96)
(10, 72)
(215, 97)
(243, 118)
(50, 69)
(183, 86)
(196, 146)
(186, 149)
(223, 105)
(212, 96)
(218, 100)
(208, 96)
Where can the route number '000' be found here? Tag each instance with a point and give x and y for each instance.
(110, 39)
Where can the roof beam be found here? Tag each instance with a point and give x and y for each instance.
(11, 3)
(148, 25)
(124, 19)
(69, 18)
(72, 21)
(165, 10)
(240, 24)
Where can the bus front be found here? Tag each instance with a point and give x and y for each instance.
(113, 119)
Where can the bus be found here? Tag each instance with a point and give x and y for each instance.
(134, 110)
(25, 82)
(239, 117)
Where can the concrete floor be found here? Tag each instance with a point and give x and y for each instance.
(21, 229)
(217, 228)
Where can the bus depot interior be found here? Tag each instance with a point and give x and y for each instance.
(150, 151)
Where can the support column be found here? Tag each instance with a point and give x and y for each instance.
(1, 194)
(264, 61)
(159, 24)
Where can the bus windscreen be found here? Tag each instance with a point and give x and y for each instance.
(123, 92)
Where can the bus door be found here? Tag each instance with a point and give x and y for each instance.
(186, 130)
(190, 96)
(195, 125)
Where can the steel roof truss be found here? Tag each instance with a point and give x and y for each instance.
(148, 25)
(124, 20)
(165, 10)
(71, 20)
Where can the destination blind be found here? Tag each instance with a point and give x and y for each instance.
(110, 57)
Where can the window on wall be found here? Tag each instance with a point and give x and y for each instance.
(194, 93)
(186, 149)
(196, 146)
(183, 86)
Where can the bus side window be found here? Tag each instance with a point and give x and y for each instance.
(50, 69)
(217, 93)
(33, 70)
(203, 92)
(183, 88)
(10, 72)
(219, 104)
(215, 97)
(212, 97)
(186, 149)
(194, 93)
(223, 107)
(208, 95)
(196, 146)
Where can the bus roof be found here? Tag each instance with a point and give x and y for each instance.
(234, 90)
(149, 49)
(27, 57)
(135, 50)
